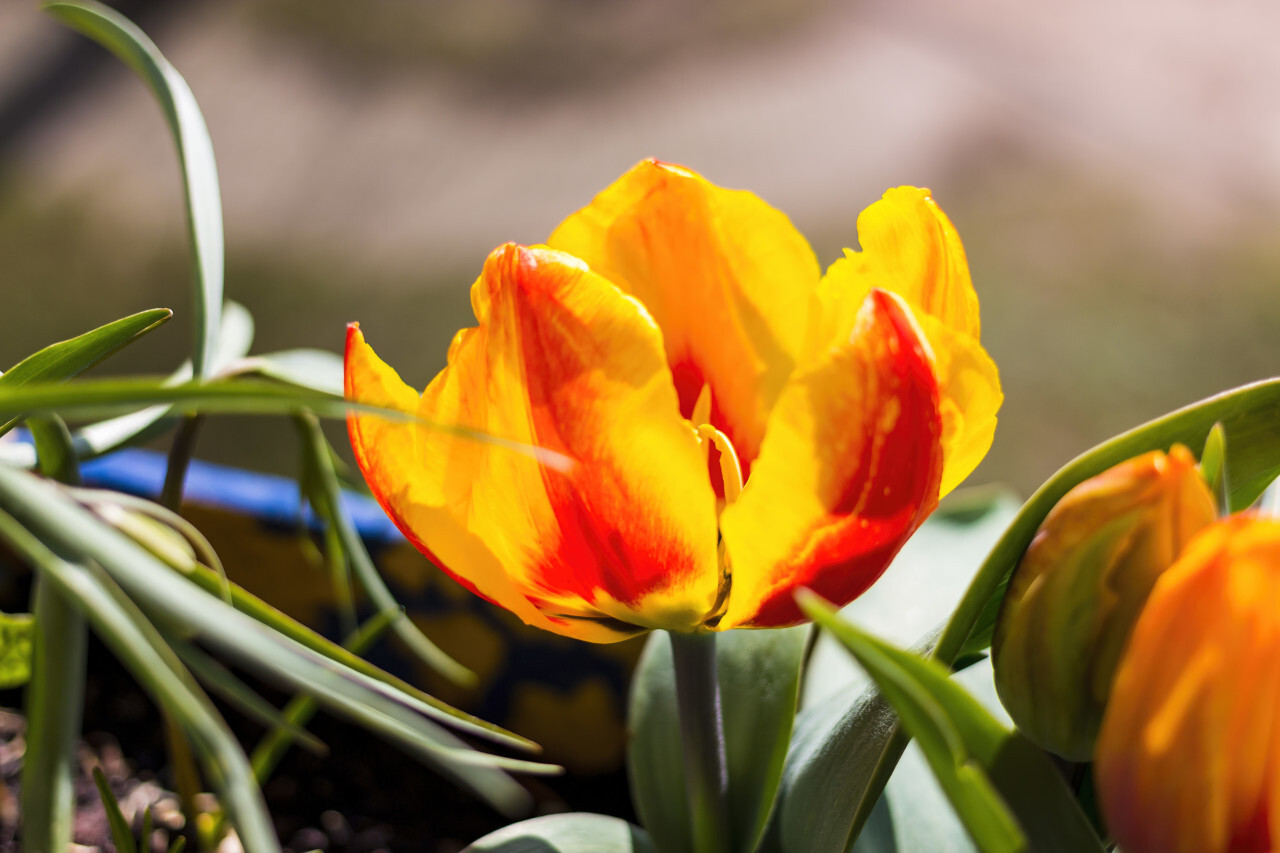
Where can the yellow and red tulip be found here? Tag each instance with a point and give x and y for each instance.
(1077, 591)
(739, 424)
(1188, 758)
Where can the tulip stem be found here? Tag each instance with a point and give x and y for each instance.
(702, 737)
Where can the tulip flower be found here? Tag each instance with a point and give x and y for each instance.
(1188, 759)
(1075, 594)
(739, 425)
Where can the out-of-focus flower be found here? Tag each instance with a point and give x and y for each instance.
(739, 424)
(1073, 598)
(1188, 759)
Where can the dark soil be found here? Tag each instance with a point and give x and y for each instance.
(364, 796)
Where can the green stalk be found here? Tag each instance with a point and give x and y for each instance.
(180, 453)
(55, 694)
(702, 737)
(186, 775)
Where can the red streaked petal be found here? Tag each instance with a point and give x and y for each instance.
(561, 359)
(726, 277)
(850, 467)
(385, 452)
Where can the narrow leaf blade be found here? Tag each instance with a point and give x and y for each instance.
(195, 155)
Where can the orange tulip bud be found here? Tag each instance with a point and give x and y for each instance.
(1188, 759)
(1074, 596)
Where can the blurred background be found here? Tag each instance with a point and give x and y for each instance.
(1114, 172)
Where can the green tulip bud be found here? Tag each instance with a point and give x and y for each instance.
(1077, 591)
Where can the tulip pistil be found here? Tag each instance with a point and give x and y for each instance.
(731, 475)
(730, 467)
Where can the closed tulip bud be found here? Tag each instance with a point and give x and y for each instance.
(1188, 759)
(1073, 598)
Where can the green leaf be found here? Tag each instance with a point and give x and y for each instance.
(88, 397)
(847, 738)
(317, 369)
(195, 156)
(69, 358)
(164, 595)
(921, 587)
(759, 673)
(121, 834)
(326, 498)
(16, 633)
(239, 695)
(139, 647)
(567, 833)
(1004, 789)
(1251, 414)
(1213, 465)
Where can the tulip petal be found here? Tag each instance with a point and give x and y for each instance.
(970, 397)
(850, 467)
(386, 455)
(910, 247)
(623, 541)
(727, 278)
(1188, 758)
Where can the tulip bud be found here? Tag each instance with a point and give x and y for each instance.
(1188, 758)
(1074, 596)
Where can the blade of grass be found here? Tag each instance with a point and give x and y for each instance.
(141, 649)
(121, 834)
(330, 506)
(88, 397)
(164, 594)
(53, 706)
(299, 711)
(69, 358)
(222, 682)
(214, 580)
(195, 156)
(55, 693)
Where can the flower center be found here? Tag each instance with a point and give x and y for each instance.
(731, 475)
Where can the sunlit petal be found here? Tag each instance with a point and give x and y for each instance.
(623, 541)
(851, 465)
(726, 277)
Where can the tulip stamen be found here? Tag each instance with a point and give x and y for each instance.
(730, 467)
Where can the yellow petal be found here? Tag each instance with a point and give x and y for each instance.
(727, 278)
(910, 247)
(969, 387)
(850, 467)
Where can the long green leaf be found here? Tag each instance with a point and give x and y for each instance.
(1005, 791)
(69, 358)
(1250, 416)
(54, 704)
(329, 505)
(54, 696)
(847, 738)
(759, 675)
(121, 834)
(165, 595)
(133, 639)
(195, 156)
(243, 396)
(222, 682)
(267, 754)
